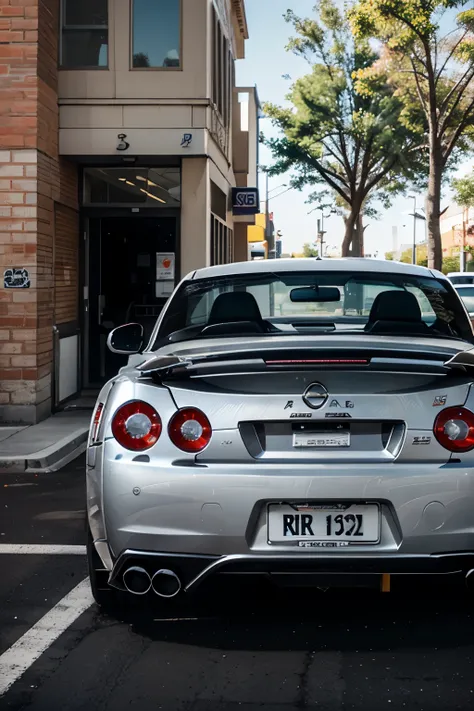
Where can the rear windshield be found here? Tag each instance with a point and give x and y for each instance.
(315, 302)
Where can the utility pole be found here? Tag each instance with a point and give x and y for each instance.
(321, 232)
(321, 235)
(462, 260)
(413, 258)
(268, 229)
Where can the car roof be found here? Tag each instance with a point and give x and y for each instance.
(354, 264)
(463, 286)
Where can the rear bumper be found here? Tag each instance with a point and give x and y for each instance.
(210, 519)
(194, 570)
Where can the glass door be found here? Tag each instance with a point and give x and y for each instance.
(124, 263)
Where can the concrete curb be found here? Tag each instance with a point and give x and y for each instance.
(49, 459)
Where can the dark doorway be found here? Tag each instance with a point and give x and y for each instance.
(123, 287)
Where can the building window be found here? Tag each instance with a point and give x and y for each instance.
(222, 242)
(223, 80)
(84, 34)
(148, 187)
(156, 34)
(223, 71)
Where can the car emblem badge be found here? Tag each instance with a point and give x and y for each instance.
(315, 396)
(440, 400)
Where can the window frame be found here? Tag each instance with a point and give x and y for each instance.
(223, 71)
(156, 69)
(81, 28)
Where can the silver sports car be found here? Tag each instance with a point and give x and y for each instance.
(304, 420)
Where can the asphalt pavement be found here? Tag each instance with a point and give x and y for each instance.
(243, 647)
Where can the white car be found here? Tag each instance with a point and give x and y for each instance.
(337, 438)
(466, 292)
(461, 277)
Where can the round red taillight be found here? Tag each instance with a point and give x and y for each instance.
(190, 430)
(136, 426)
(454, 429)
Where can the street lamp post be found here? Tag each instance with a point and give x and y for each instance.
(268, 231)
(413, 258)
(320, 226)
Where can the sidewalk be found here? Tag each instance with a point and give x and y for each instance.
(45, 447)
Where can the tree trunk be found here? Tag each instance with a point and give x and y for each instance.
(433, 211)
(358, 241)
(350, 223)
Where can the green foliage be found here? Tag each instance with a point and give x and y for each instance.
(309, 251)
(389, 256)
(464, 190)
(421, 256)
(333, 135)
(450, 264)
(424, 64)
(431, 67)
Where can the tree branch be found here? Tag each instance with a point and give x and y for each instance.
(326, 174)
(449, 116)
(450, 55)
(377, 178)
(418, 87)
(335, 156)
(468, 113)
(466, 79)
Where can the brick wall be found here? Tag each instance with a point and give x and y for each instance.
(66, 250)
(38, 208)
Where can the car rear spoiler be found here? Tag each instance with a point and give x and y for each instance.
(463, 360)
(219, 363)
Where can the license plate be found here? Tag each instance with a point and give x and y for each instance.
(341, 524)
(321, 439)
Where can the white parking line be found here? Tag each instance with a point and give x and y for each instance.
(27, 549)
(21, 655)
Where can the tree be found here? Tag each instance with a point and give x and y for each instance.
(464, 190)
(355, 144)
(141, 60)
(309, 251)
(450, 264)
(433, 73)
(421, 256)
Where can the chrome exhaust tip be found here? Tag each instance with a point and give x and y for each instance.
(137, 581)
(165, 583)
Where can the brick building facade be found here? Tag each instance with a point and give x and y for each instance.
(38, 208)
(121, 138)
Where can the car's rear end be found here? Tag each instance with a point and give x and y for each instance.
(291, 456)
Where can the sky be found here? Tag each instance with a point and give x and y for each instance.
(265, 65)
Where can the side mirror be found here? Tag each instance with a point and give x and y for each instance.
(127, 339)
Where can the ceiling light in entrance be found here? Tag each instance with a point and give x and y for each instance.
(142, 190)
(146, 180)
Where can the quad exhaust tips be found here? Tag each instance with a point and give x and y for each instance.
(137, 581)
(164, 583)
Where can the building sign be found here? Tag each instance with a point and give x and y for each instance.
(165, 262)
(122, 145)
(245, 201)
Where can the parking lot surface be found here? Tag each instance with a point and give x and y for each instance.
(239, 647)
